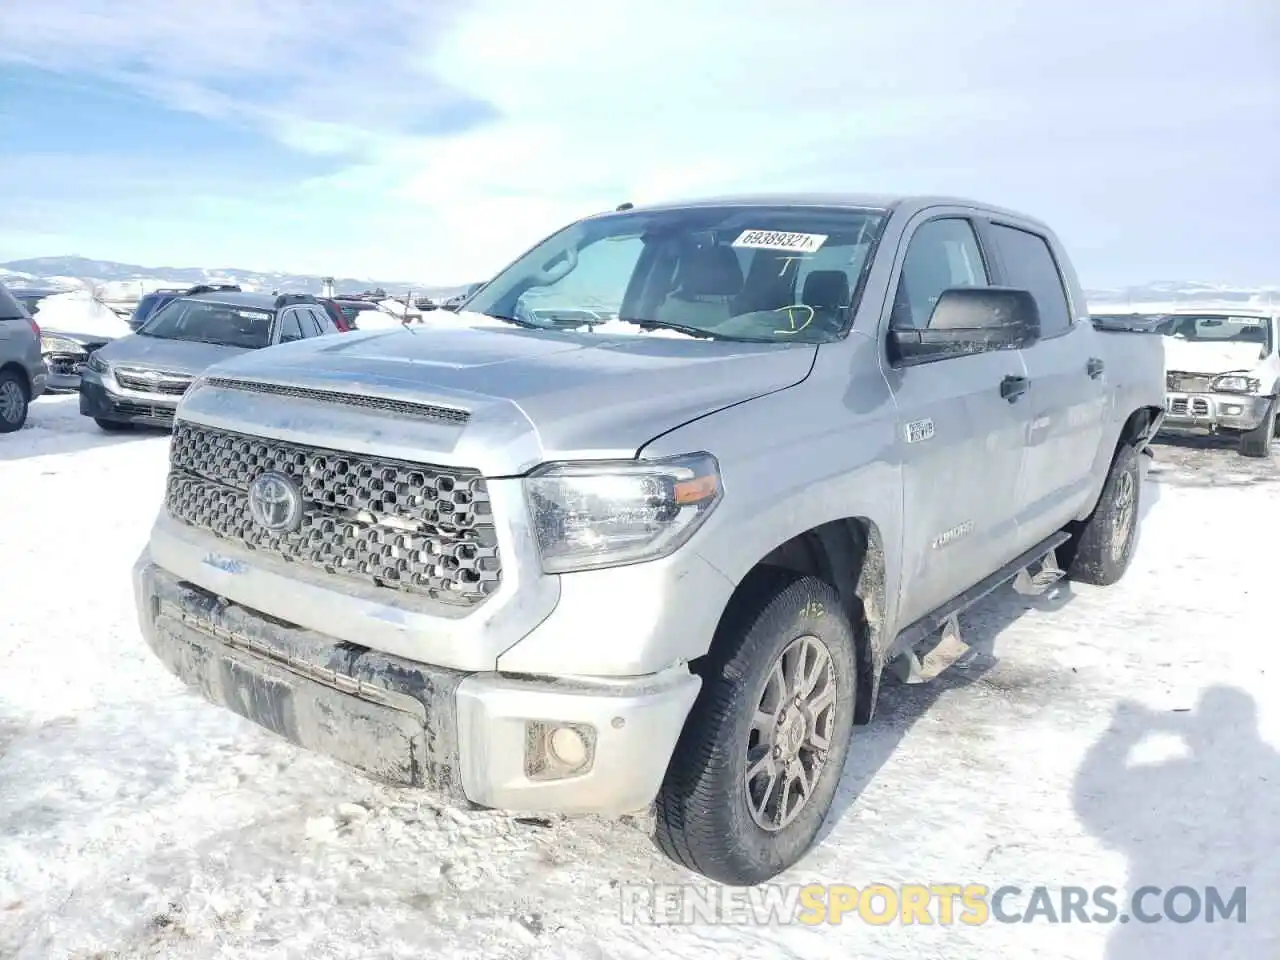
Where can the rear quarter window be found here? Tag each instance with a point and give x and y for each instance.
(10, 308)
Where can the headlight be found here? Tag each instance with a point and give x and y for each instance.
(97, 364)
(54, 344)
(605, 514)
(1235, 383)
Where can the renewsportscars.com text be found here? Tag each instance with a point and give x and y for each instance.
(928, 904)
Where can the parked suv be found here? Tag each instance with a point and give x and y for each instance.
(139, 379)
(1223, 374)
(22, 370)
(659, 561)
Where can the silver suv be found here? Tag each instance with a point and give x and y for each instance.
(22, 370)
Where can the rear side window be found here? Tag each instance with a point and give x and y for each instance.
(310, 325)
(324, 322)
(10, 309)
(1029, 265)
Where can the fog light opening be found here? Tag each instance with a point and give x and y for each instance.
(557, 749)
(567, 746)
(1232, 409)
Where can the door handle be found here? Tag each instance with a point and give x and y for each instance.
(1095, 367)
(1011, 387)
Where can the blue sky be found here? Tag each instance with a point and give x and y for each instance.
(404, 140)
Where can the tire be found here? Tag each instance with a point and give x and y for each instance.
(1257, 442)
(1103, 546)
(704, 819)
(15, 401)
(112, 426)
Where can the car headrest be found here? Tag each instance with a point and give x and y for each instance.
(709, 271)
(827, 289)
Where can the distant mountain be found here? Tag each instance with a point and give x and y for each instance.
(128, 280)
(1184, 293)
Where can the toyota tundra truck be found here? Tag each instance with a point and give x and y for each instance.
(657, 560)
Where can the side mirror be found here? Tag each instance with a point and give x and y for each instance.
(966, 321)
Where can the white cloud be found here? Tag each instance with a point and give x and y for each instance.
(597, 103)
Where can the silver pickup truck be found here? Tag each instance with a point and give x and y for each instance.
(657, 560)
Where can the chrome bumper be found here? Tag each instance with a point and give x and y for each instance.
(1213, 411)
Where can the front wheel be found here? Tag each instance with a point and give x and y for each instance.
(1257, 442)
(13, 402)
(756, 767)
(1102, 549)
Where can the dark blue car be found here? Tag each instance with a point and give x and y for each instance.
(153, 301)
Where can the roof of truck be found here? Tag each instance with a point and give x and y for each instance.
(1224, 310)
(861, 201)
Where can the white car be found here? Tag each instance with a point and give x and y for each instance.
(1222, 373)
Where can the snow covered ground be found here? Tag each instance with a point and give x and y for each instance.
(136, 821)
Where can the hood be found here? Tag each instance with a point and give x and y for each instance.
(174, 356)
(529, 396)
(88, 340)
(1189, 356)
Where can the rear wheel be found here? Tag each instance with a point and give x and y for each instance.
(1102, 548)
(1257, 442)
(14, 401)
(112, 426)
(757, 765)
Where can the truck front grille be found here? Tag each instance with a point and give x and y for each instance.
(1187, 382)
(408, 526)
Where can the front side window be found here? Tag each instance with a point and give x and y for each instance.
(201, 321)
(747, 273)
(1029, 265)
(290, 329)
(941, 254)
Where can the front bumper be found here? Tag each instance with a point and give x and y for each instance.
(467, 736)
(64, 371)
(1214, 411)
(99, 400)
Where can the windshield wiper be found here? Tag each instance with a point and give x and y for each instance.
(677, 327)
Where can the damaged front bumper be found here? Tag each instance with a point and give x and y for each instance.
(486, 739)
(1210, 412)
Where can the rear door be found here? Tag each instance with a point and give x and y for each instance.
(1068, 393)
(961, 440)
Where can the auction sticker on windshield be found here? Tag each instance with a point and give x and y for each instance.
(775, 240)
(1246, 321)
(254, 314)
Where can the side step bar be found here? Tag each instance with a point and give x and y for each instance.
(910, 667)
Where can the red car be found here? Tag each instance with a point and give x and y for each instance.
(340, 318)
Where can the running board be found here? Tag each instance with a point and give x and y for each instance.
(910, 667)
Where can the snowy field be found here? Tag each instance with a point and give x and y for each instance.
(136, 821)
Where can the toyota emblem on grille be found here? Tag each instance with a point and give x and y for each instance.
(275, 502)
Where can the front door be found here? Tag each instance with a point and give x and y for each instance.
(961, 439)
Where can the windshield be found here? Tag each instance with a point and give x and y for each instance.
(205, 322)
(1220, 328)
(753, 273)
